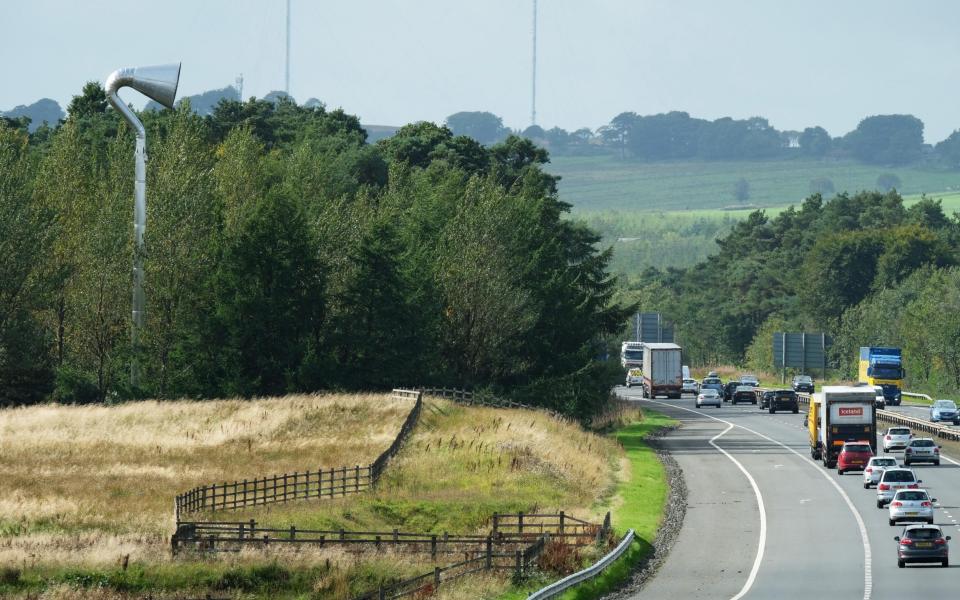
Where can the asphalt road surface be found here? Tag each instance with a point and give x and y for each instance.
(765, 521)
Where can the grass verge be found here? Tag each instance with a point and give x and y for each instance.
(638, 504)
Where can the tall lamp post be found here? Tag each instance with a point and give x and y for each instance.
(158, 83)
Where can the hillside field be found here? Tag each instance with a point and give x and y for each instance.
(680, 238)
(598, 183)
(87, 486)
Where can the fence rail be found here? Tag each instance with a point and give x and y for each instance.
(322, 483)
(507, 529)
(486, 399)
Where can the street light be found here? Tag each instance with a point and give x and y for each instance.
(158, 83)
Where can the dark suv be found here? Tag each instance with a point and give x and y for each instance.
(729, 389)
(922, 543)
(803, 384)
(775, 400)
(744, 393)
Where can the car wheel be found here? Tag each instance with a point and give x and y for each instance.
(879, 504)
(839, 471)
(796, 410)
(906, 463)
(892, 522)
(866, 485)
(754, 401)
(945, 563)
(773, 412)
(936, 463)
(929, 521)
(901, 564)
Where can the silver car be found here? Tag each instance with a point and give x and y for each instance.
(944, 410)
(690, 386)
(921, 450)
(708, 396)
(874, 469)
(894, 480)
(915, 506)
(896, 438)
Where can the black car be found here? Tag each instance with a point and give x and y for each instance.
(922, 543)
(775, 400)
(729, 389)
(803, 384)
(744, 393)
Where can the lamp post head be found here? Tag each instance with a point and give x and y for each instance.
(158, 82)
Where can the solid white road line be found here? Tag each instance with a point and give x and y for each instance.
(867, 553)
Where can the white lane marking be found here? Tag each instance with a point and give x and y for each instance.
(867, 552)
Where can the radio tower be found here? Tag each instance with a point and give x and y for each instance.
(533, 78)
(286, 86)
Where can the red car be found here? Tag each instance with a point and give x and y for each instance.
(854, 456)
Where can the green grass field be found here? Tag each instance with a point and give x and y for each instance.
(669, 214)
(595, 183)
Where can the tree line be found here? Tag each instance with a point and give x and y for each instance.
(284, 253)
(862, 268)
(889, 140)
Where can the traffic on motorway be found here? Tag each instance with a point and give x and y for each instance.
(901, 473)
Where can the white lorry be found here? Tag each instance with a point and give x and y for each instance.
(631, 354)
(662, 370)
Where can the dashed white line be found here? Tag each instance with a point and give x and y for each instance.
(867, 552)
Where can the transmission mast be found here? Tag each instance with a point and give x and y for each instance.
(286, 86)
(533, 78)
(238, 83)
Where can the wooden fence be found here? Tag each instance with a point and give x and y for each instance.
(506, 530)
(484, 399)
(322, 483)
(519, 562)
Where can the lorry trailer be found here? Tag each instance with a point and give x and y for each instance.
(662, 370)
(840, 414)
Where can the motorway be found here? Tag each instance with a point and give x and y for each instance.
(765, 521)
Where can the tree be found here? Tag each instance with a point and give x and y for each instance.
(822, 186)
(949, 150)
(534, 132)
(888, 181)
(269, 290)
(887, 140)
(92, 101)
(487, 128)
(26, 285)
(815, 141)
(741, 190)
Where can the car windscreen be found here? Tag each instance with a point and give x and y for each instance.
(885, 462)
(898, 476)
(913, 495)
(633, 354)
(921, 443)
(711, 380)
(900, 431)
(804, 379)
(708, 392)
(857, 448)
(947, 404)
(923, 534)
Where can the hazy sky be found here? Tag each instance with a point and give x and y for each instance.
(800, 63)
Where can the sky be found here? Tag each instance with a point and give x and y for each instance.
(816, 62)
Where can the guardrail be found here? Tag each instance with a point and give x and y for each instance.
(485, 399)
(940, 431)
(580, 576)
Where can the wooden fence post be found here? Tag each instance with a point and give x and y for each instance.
(520, 522)
(518, 564)
(436, 577)
(380, 593)
(433, 546)
(489, 562)
(496, 521)
(561, 521)
(356, 480)
(293, 532)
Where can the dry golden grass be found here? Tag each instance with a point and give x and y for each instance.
(104, 478)
(92, 484)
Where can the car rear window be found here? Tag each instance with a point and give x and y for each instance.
(923, 534)
(911, 495)
(900, 431)
(898, 476)
(885, 462)
(856, 448)
(921, 443)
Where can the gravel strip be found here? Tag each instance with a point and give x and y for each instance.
(669, 528)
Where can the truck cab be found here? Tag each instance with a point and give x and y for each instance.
(883, 367)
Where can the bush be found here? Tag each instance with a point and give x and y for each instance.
(73, 386)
